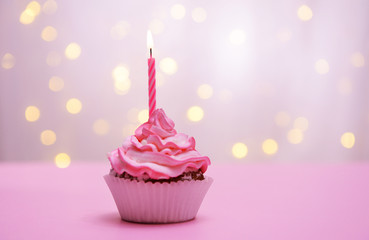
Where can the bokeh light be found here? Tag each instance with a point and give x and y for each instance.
(239, 150)
(295, 136)
(178, 11)
(301, 123)
(101, 127)
(156, 26)
(73, 106)
(270, 146)
(120, 72)
(49, 7)
(205, 91)
(322, 66)
(237, 37)
(195, 113)
(72, 51)
(199, 15)
(53, 59)
(357, 60)
(143, 116)
(62, 160)
(348, 140)
(34, 7)
(120, 30)
(282, 119)
(26, 17)
(168, 66)
(56, 84)
(121, 87)
(7, 61)
(49, 34)
(305, 13)
(29, 14)
(48, 137)
(32, 113)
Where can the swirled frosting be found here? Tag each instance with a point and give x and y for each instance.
(156, 149)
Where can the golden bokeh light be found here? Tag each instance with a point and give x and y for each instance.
(49, 34)
(322, 66)
(120, 72)
(143, 116)
(101, 127)
(195, 113)
(199, 15)
(178, 11)
(344, 86)
(32, 113)
(120, 30)
(282, 119)
(121, 87)
(34, 7)
(73, 106)
(53, 59)
(27, 17)
(270, 146)
(49, 7)
(72, 51)
(7, 61)
(156, 26)
(295, 136)
(357, 60)
(237, 37)
(239, 150)
(205, 91)
(168, 66)
(56, 84)
(48, 137)
(301, 123)
(62, 160)
(304, 13)
(348, 140)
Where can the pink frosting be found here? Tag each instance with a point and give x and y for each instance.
(158, 150)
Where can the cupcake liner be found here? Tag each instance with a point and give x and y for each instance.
(149, 202)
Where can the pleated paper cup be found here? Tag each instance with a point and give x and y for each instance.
(149, 202)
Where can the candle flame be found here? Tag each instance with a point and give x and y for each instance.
(150, 41)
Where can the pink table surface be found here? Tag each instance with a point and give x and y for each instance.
(251, 201)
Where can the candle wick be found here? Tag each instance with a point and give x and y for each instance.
(150, 52)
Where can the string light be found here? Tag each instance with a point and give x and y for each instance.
(199, 15)
(48, 137)
(348, 140)
(8, 61)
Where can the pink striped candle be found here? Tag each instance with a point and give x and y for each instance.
(152, 79)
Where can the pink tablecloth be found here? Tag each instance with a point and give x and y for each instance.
(306, 201)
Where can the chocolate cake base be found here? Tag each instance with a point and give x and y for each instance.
(186, 176)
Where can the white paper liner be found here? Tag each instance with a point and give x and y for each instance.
(149, 202)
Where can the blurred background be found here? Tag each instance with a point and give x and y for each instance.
(250, 80)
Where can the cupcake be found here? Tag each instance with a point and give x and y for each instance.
(157, 176)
